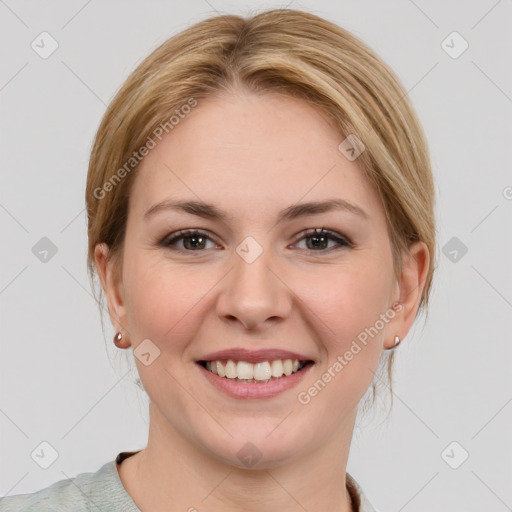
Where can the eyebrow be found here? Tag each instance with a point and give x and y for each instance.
(210, 211)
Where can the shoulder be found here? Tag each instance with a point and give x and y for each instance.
(101, 490)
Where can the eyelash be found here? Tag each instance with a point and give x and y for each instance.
(171, 240)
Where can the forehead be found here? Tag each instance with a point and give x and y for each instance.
(246, 149)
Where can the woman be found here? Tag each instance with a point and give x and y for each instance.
(260, 208)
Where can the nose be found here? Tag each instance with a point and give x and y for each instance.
(254, 294)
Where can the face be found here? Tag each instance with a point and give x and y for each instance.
(259, 282)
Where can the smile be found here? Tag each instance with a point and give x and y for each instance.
(260, 372)
(254, 374)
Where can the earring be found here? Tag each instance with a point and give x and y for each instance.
(397, 341)
(118, 343)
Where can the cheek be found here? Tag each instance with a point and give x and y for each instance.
(168, 302)
(164, 305)
(160, 298)
(348, 299)
(349, 306)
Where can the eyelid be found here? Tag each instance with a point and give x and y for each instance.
(184, 233)
(340, 239)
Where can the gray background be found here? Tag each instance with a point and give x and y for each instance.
(63, 383)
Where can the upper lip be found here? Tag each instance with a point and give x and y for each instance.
(253, 356)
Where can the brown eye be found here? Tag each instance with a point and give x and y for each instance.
(193, 240)
(318, 240)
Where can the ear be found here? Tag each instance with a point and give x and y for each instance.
(410, 288)
(112, 286)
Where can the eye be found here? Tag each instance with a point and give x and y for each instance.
(320, 239)
(193, 240)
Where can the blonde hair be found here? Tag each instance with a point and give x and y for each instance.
(290, 52)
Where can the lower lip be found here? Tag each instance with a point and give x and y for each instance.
(244, 390)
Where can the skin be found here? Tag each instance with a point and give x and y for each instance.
(253, 156)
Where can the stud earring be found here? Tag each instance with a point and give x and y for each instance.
(397, 341)
(120, 344)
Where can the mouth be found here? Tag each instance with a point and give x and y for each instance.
(254, 374)
(259, 372)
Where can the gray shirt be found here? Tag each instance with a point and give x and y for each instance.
(103, 491)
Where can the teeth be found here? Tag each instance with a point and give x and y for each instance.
(221, 370)
(231, 370)
(261, 372)
(245, 370)
(277, 368)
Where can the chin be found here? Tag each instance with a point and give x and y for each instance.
(257, 444)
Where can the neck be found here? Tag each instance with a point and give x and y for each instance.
(173, 474)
